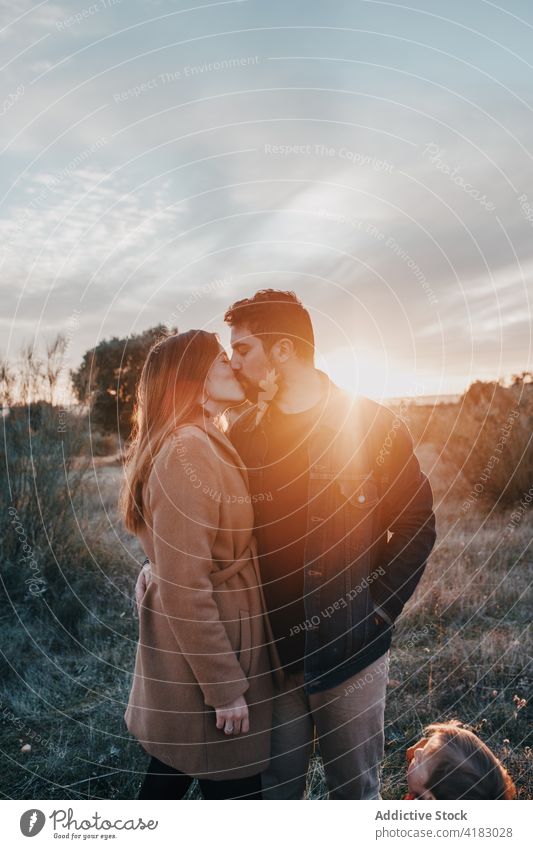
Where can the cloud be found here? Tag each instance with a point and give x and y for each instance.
(130, 183)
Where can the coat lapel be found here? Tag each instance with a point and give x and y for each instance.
(221, 440)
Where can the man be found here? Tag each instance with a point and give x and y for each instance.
(344, 524)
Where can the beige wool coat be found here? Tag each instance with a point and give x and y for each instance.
(204, 638)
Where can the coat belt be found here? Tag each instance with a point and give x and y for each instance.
(220, 576)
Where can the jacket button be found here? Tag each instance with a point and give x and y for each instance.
(361, 499)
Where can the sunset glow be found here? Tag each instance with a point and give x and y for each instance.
(362, 372)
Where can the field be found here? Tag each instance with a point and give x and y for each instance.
(460, 648)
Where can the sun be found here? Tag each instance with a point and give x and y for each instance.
(370, 373)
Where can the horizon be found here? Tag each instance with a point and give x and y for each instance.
(338, 373)
(165, 164)
(66, 398)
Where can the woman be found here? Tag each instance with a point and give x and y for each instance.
(200, 700)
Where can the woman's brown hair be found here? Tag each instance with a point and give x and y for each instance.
(168, 393)
(461, 766)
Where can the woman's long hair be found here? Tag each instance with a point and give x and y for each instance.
(171, 383)
(461, 766)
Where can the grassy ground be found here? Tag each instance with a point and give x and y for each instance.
(460, 650)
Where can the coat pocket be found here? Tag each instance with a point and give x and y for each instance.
(245, 643)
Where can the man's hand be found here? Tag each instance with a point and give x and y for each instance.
(233, 717)
(380, 613)
(145, 576)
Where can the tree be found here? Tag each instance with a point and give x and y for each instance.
(107, 378)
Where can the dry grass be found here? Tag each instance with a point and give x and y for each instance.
(460, 650)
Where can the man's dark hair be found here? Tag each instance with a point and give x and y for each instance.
(272, 315)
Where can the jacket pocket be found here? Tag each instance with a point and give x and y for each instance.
(359, 499)
(245, 643)
(360, 492)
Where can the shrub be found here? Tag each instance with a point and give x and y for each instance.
(38, 493)
(491, 441)
(103, 445)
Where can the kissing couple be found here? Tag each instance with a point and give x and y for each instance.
(281, 550)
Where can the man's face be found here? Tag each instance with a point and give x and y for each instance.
(248, 361)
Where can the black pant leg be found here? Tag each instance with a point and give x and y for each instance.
(240, 788)
(164, 782)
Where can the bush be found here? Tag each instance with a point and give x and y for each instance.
(103, 445)
(491, 441)
(41, 482)
(57, 578)
(431, 423)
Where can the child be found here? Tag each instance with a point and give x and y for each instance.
(450, 762)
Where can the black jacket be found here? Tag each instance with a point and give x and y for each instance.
(371, 528)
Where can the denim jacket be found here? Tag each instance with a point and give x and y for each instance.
(370, 529)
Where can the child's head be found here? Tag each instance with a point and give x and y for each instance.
(450, 762)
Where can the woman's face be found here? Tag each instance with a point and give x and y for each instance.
(221, 385)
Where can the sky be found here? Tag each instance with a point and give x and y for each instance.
(161, 160)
